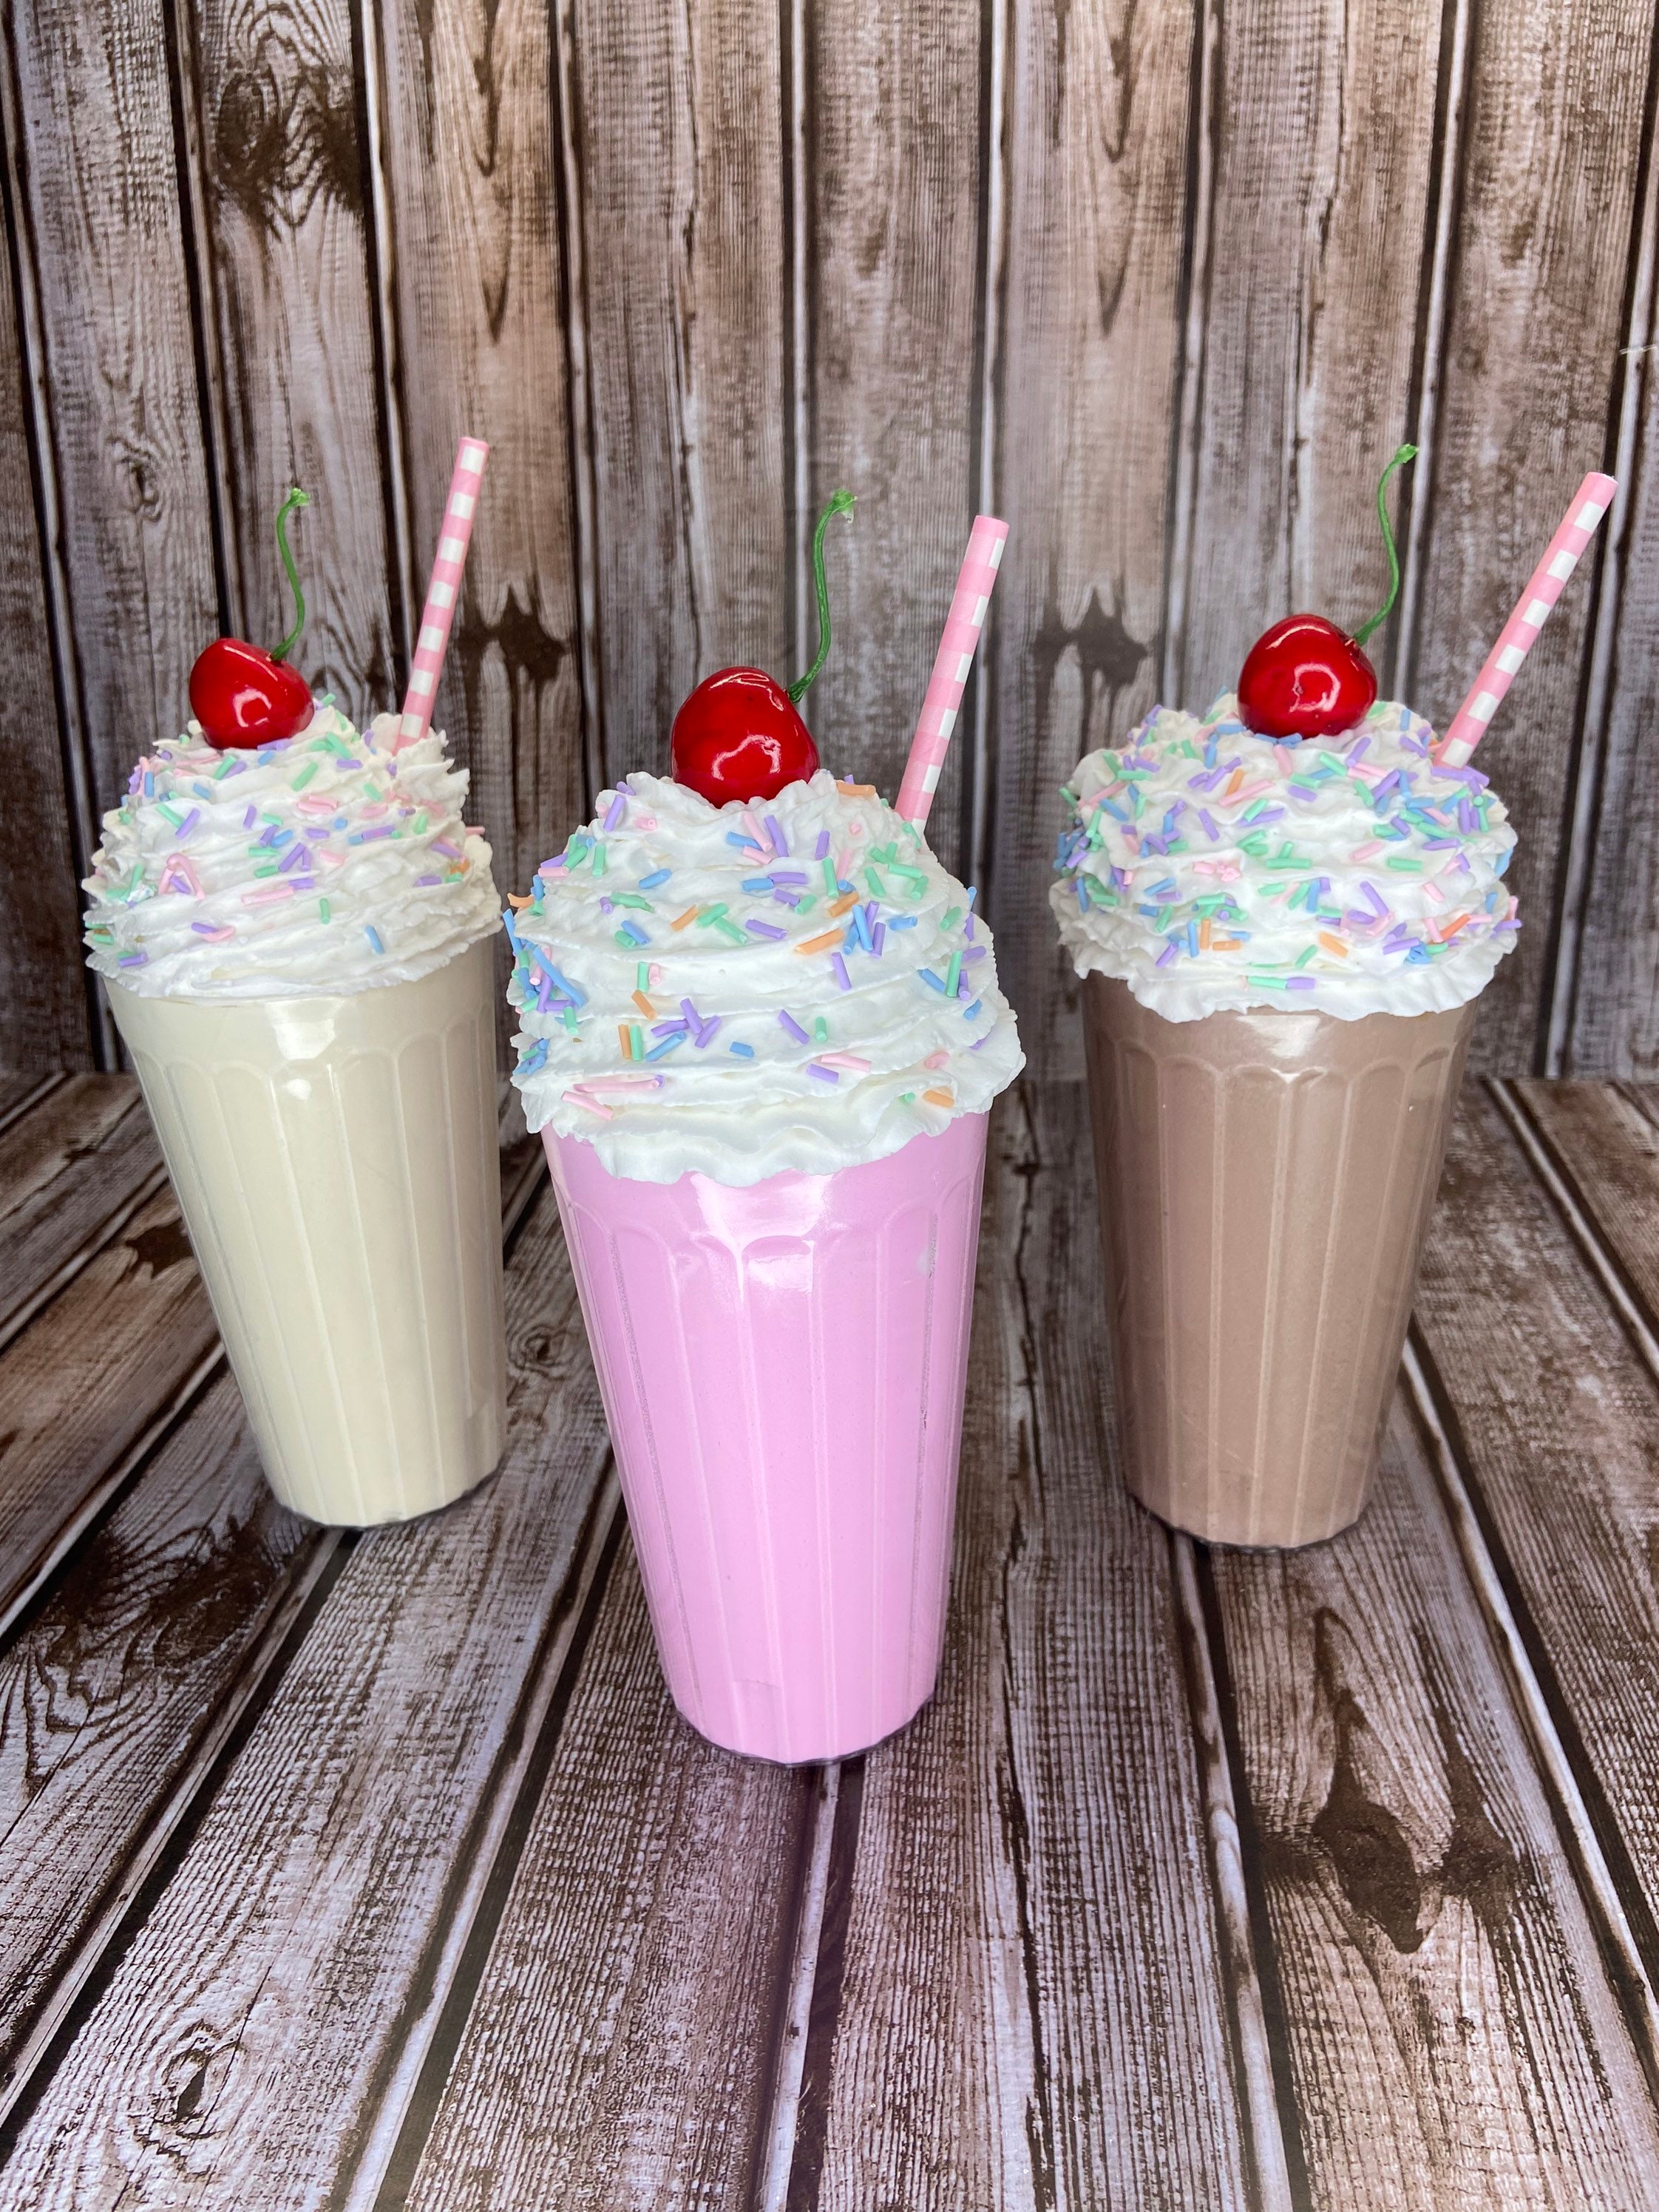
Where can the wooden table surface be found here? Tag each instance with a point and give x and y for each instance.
(377, 1871)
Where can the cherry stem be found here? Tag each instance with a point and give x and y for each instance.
(841, 502)
(1406, 453)
(295, 498)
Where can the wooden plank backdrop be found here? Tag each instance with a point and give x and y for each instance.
(1164, 286)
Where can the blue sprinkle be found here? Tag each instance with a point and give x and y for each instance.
(668, 1044)
(744, 844)
(756, 884)
(743, 1051)
(968, 1013)
(631, 929)
(374, 937)
(901, 921)
(657, 876)
(933, 982)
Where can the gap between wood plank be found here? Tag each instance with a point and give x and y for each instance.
(464, 1929)
(1429, 368)
(104, 1234)
(1270, 2127)
(1630, 385)
(1510, 1633)
(29, 1098)
(991, 288)
(1194, 298)
(380, 241)
(779, 2142)
(60, 622)
(579, 385)
(97, 1957)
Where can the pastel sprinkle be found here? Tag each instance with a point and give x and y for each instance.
(374, 937)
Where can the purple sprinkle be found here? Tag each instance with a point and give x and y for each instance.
(787, 1021)
(822, 852)
(780, 843)
(1368, 892)
(672, 1028)
(134, 960)
(429, 879)
(1165, 956)
(841, 975)
(250, 817)
(978, 953)
(1356, 750)
(823, 1074)
(205, 928)
(296, 856)
(614, 811)
(194, 815)
(1299, 982)
(547, 867)
(706, 1035)
(878, 937)
(625, 788)
(693, 1018)
(450, 852)
(788, 875)
(605, 906)
(765, 929)
(791, 899)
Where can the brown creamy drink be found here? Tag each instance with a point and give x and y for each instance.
(1281, 944)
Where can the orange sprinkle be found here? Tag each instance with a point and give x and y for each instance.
(1450, 929)
(859, 790)
(821, 944)
(938, 1097)
(645, 1005)
(1237, 778)
(1333, 944)
(513, 900)
(1204, 936)
(843, 905)
(1225, 944)
(680, 921)
(625, 1040)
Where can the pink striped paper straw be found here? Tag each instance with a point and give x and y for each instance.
(1515, 640)
(963, 629)
(439, 612)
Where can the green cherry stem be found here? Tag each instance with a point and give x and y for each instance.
(295, 498)
(841, 502)
(1406, 453)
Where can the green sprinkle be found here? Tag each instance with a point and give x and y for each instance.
(877, 887)
(642, 976)
(419, 829)
(807, 904)
(1404, 867)
(598, 860)
(636, 1040)
(270, 870)
(1068, 794)
(1265, 982)
(324, 909)
(304, 777)
(951, 917)
(733, 935)
(829, 876)
(570, 1019)
(1303, 958)
(163, 809)
(711, 914)
(623, 938)
(820, 1030)
(222, 770)
(632, 898)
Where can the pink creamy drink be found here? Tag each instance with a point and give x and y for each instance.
(760, 1044)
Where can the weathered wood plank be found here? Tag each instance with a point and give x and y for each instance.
(676, 125)
(1029, 1984)
(91, 1385)
(1097, 136)
(1555, 1418)
(304, 1936)
(1324, 143)
(273, 89)
(1604, 1142)
(118, 1691)
(619, 2053)
(473, 180)
(893, 99)
(71, 1173)
(1441, 1983)
(102, 209)
(1554, 131)
(20, 1093)
(43, 1000)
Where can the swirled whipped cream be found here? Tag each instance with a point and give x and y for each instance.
(328, 863)
(1209, 867)
(744, 990)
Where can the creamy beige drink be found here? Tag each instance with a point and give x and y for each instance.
(296, 942)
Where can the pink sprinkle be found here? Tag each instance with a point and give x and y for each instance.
(645, 821)
(268, 894)
(936, 1059)
(848, 1060)
(1366, 852)
(1434, 895)
(590, 1105)
(311, 802)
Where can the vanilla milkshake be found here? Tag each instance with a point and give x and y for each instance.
(295, 937)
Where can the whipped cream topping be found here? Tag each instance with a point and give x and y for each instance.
(742, 991)
(1209, 867)
(328, 863)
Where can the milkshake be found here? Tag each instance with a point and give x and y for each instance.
(295, 935)
(1281, 939)
(760, 1041)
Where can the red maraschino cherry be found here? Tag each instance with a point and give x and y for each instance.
(241, 695)
(738, 736)
(1306, 678)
